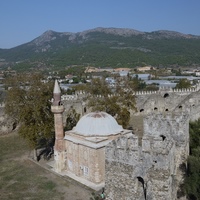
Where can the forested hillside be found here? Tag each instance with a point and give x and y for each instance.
(107, 47)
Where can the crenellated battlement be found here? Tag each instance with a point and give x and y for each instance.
(69, 97)
(128, 149)
(149, 167)
(82, 94)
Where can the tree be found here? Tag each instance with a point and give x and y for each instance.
(192, 178)
(183, 83)
(117, 101)
(28, 103)
(72, 119)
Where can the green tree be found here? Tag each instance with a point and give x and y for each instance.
(183, 83)
(28, 103)
(117, 101)
(72, 119)
(192, 178)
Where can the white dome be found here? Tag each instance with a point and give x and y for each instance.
(97, 124)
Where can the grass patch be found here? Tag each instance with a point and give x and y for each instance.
(20, 178)
(49, 185)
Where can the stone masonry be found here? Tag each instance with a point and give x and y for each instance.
(148, 169)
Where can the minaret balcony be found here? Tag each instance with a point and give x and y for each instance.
(57, 109)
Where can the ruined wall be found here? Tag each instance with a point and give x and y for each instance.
(150, 170)
(164, 100)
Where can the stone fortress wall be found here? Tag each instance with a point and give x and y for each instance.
(163, 100)
(148, 166)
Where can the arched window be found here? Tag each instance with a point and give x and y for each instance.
(166, 95)
(141, 180)
(155, 108)
(141, 110)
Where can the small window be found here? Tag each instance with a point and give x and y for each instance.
(155, 108)
(70, 165)
(180, 107)
(85, 109)
(166, 109)
(85, 171)
(141, 110)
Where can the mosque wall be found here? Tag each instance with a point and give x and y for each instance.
(85, 162)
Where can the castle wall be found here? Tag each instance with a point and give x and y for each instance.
(139, 172)
(150, 169)
(76, 104)
(164, 100)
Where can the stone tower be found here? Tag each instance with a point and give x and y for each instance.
(57, 108)
(151, 167)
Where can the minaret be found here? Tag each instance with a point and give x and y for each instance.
(57, 108)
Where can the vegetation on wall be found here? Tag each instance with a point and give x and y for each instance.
(192, 179)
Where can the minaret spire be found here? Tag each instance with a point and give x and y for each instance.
(57, 108)
(56, 94)
(56, 88)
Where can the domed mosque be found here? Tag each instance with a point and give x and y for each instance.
(80, 152)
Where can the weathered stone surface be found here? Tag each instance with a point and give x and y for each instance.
(149, 171)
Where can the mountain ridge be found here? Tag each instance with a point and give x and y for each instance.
(116, 31)
(122, 32)
(108, 46)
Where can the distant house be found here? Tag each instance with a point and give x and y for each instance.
(197, 73)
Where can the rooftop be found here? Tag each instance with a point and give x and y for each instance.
(97, 124)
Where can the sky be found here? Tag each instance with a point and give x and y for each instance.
(23, 20)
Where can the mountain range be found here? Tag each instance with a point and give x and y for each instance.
(111, 47)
